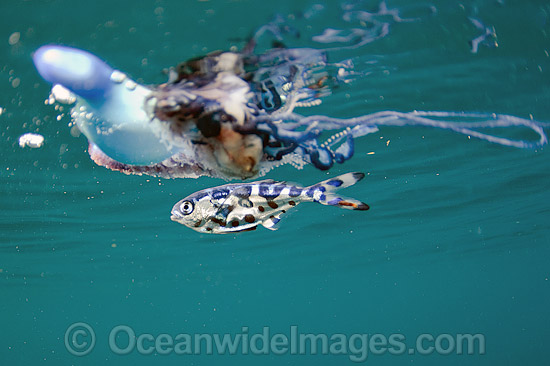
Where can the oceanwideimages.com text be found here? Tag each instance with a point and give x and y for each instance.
(80, 340)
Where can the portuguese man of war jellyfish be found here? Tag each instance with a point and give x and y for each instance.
(232, 115)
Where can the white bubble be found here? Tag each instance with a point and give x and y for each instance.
(63, 95)
(32, 140)
(118, 77)
(130, 85)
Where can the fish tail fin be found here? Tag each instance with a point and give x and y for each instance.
(324, 192)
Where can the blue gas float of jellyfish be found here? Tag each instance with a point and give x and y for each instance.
(231, 115)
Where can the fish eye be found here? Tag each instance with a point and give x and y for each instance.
(187, 207)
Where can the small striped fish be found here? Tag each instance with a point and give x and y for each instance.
(243, 206)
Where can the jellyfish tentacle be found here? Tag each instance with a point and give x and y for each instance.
(300, 134)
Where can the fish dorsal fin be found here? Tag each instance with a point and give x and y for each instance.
(273, 222)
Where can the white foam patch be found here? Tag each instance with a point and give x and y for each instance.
(32, 140)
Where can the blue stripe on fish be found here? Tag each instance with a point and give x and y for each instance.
(295, 191)
(243, 191)
(220, 193)
(315, 188)
(334, 201)
(269, 191)
(335, 182)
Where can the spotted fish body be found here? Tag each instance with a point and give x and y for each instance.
(243, 206)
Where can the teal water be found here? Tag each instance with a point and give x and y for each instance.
(456, 241)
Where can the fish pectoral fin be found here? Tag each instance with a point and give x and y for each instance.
(273, 222)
